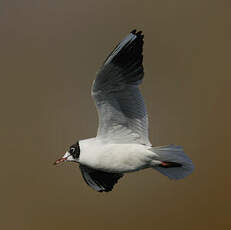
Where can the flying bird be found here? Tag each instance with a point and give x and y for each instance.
(122, 143)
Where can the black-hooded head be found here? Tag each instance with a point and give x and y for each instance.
(75, 150)
(71, 155)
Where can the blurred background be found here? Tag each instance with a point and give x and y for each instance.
(50, 52)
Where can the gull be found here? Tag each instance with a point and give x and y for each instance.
(122, 142)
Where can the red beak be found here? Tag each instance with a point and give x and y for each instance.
(60, 160)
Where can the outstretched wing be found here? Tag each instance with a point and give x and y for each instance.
(98, 180)
(120, 105)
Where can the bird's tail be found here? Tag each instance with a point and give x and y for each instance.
(171, 161)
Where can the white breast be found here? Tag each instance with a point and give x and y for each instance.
(113, 157)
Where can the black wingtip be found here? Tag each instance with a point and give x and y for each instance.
(139, 33)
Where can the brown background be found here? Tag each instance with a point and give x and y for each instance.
(50, 51)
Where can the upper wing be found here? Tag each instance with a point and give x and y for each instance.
(98, 180)
(121, 109)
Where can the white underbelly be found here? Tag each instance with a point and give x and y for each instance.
(115, 157)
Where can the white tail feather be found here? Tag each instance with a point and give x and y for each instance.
(173, 153)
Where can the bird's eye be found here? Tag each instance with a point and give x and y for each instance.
(72, 150)
(75, 150)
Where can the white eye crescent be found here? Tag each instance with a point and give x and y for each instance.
(72, 150)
